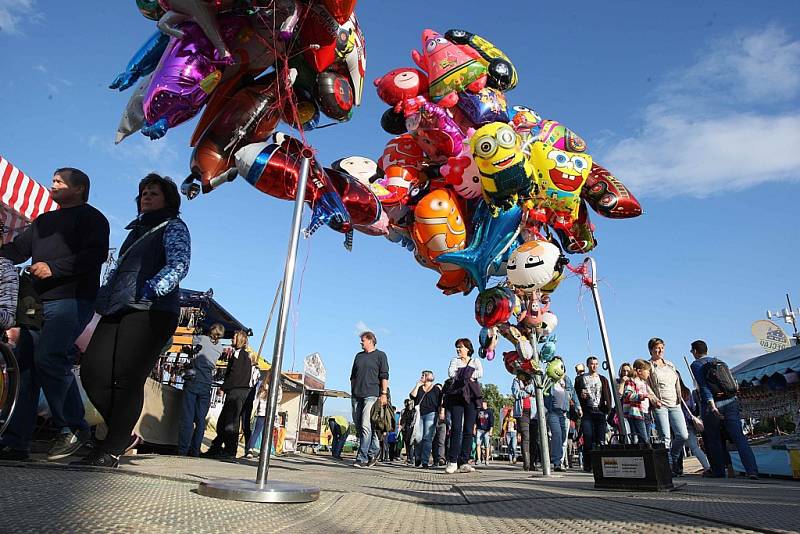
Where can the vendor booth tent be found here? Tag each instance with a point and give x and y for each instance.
(22, 199)
(785, 363)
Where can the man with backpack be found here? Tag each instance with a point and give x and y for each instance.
(369, 384)
(720, 408)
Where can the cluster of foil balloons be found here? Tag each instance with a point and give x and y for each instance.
(479, 188)
(247, 65)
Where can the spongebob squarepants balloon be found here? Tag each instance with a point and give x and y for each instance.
(560, 176)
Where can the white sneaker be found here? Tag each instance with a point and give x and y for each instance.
(451, 468)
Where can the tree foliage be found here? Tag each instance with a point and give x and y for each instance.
(496, 401)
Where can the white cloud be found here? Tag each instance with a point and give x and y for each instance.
(736, 354)
(14, 12)
(728, 122)
(148, 154)
(362, 327)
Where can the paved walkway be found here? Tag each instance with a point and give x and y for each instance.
(152, 493)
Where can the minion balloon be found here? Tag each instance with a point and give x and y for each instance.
(505, 171)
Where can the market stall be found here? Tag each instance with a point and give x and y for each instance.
(770, 388)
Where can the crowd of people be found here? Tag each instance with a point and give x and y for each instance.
(450, 425)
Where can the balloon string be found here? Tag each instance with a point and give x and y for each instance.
(296, 319)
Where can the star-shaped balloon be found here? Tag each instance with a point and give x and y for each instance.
(490, 237)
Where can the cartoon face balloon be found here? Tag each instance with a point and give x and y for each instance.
(399, 84)
(505, 171)
(561, 176)
(494, 305)
(450, 67)
(555, 369)
(533, 265)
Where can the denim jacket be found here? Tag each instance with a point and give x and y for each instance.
(520, 391)
(549, 400)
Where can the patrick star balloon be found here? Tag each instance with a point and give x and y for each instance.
(451, 68)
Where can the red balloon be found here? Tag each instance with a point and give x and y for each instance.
(340, 9)
(361, 203)
(608, 196)
(400, 84)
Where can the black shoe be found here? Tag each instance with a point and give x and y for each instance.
(67, 444)
(417, 463)
(14, 455)
(213, 452)
(359, 464)
(98, 459)
(558, 468)
(371, 462)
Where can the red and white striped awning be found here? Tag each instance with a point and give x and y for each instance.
(22, 199)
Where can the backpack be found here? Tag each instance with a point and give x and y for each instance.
(720, 380)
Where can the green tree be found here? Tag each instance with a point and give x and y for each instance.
(496, 401)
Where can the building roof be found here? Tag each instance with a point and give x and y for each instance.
(213, 312)
(764, 366)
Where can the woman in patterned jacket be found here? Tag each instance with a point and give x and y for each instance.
(139, 304)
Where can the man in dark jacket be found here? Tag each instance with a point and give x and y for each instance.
(595, 397)
(236, 387)
(369, 382)
(67, 248)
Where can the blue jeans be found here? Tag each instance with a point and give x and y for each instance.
(193, 420)
(255, 437)
(511, 439)
(369, 445)
(339, 435)
(671, 428)
(593, 427)
(638, 430)
(423, 450)
(732, 421)
(558, 426)
(46, 358)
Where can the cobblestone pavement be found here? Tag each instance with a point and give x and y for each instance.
(158, 494)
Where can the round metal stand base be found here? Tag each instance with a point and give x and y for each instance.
(250, 491)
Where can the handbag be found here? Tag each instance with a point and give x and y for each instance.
(418, 431)
(103, 301)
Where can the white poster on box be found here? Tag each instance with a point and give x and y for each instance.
(623, 467)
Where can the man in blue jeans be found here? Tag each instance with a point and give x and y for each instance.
(198, 380)
(67, 248)
(719, 409)
(369, 382)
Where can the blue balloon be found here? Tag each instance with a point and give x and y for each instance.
(548, 350)
(487, 105)
(157, 130)
(143, 62)
(329, 210)
(490, 237)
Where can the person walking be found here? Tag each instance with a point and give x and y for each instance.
(595, 401)
(339, 430)
(67, 248)
(691, 412)
(139, 306)
(260, 405)
(369, 383)
(509, 433)
(557, 404)
(485, 428)
(524, 393)
(236, 386)
(636, 400)
(720, 409)
(460, 401)
(406, 424)
(441, 439)
(428, 396)
(665, 383)
(198, 380)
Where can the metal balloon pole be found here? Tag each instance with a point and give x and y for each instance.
(544, 445)
(623, 437)
(260, 490)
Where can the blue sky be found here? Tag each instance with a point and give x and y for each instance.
(694, 105)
